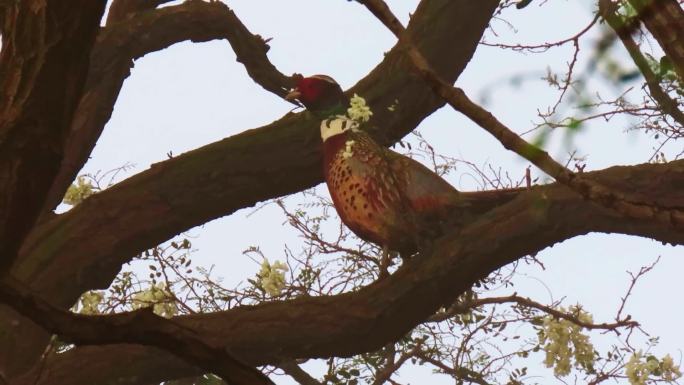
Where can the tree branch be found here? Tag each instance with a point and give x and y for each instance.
(385, 373)
(378, 314)
(141, 326)
(115, 49)
(43, 64)
(122, 9)
(186, 381)
(460, 373)
(231, 174)
(298, 374)
(665, 20)
(665, 102)
(120, 44)
(462, 308)
(455, 97)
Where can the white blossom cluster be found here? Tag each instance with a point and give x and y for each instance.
(90, 302)
(564, 340)
(348, 153)
(640, 368)
(272, 277)
(78, 191)
(159, 297)
(358, 109)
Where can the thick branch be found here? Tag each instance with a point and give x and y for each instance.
(122, 9)
(231, 174)
(120, 44)
(113, 54)
(665, 102)
(194, 380)
(366, 320)
(234, 173)
(44, 61)
(665, 20)
(141, 326)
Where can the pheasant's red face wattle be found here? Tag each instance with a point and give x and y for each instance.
(310, 89)
(320, 94)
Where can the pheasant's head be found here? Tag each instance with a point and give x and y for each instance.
(320, 94)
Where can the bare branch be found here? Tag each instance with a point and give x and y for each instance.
(120, 44)
(297, 373)
(634, 278)
(460, 373)
(386, 372)
(523, 301)
(122, 9)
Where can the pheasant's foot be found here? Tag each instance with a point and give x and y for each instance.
(385, 262)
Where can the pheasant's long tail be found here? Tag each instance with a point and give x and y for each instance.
(479, 202)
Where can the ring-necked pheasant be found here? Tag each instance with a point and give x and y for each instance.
(382, 196)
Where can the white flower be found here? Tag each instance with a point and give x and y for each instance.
(564, 341)
(348, 153)
(159, 297)
(78, 191)
(90, 302)
(638, 372)
(671, 372)
(358, 109)
(272, 277)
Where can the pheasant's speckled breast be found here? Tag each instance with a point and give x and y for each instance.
(365, 191)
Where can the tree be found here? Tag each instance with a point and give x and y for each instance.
(60, 74)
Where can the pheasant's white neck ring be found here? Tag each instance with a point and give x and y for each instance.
(336, 125)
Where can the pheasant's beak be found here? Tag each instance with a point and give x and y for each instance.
(294, 94)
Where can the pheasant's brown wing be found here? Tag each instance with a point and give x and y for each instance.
(426, 192)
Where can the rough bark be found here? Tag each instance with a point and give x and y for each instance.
(352, 323)
(44, 61)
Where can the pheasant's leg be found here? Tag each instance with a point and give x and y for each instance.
(385, 262)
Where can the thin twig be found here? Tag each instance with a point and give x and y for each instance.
(462, 308)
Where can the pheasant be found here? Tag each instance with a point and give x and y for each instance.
(382, 196)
